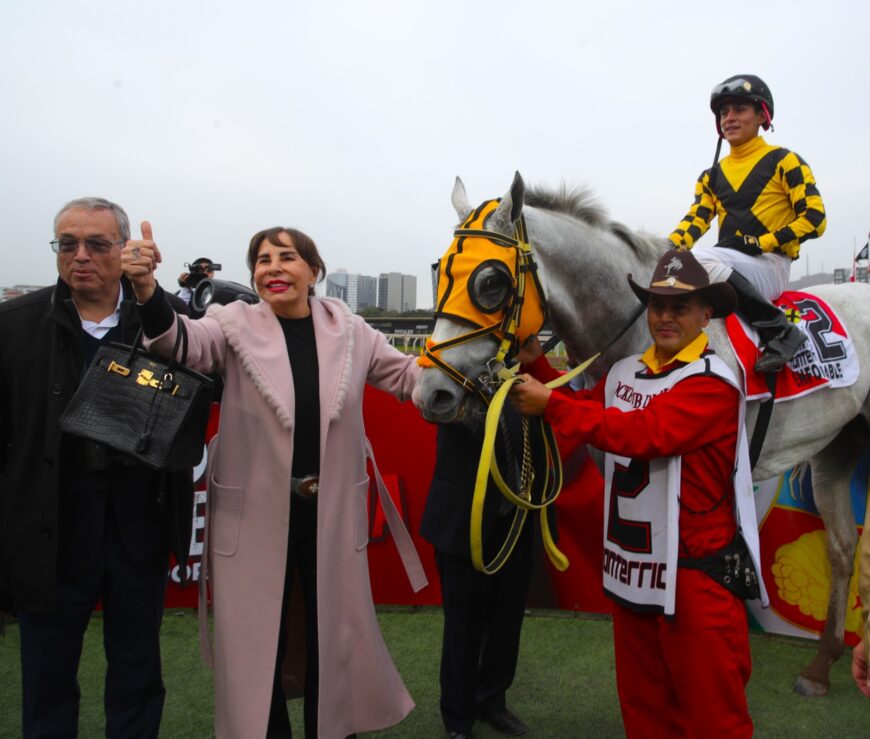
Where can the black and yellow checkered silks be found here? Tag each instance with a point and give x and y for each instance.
(758, 190)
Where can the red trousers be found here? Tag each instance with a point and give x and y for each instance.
(685, 676)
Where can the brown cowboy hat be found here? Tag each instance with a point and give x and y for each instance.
(679, 273)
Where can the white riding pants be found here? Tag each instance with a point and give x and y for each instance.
(768, 273)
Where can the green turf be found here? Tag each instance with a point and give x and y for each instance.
(564, 685)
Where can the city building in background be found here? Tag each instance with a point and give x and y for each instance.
(358, 291)
(336, 286)
(397, 292)
(366, 292)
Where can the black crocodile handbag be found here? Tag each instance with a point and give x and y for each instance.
(146, 407)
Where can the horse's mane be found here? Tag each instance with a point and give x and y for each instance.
(580, 203)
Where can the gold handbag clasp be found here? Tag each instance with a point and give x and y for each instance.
(118, 369)
(146, 377)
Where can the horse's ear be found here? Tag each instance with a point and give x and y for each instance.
(518, 194)
(511, 207)
(460, 200)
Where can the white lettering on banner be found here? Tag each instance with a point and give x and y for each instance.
(627, 571)
(196, 534)
(199, 470)
(192, 573)
(197, 538)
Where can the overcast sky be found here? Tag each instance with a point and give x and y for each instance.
(350, 120)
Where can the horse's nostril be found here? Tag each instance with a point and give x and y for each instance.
(442, 399)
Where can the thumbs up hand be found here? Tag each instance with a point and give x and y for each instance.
(139, 260)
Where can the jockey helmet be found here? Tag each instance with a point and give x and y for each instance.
(746, 86)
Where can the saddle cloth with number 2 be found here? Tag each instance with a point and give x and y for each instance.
(827, 358)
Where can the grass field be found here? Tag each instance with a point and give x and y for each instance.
(564, 686)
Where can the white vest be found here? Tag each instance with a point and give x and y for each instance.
(641, 521)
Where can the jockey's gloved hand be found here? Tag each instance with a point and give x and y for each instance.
(747, 244)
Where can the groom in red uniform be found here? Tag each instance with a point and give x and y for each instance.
(678, 508)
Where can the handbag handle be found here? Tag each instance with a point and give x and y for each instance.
(168, 381)
(180, 338)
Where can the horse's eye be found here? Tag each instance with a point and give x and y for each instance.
(489, 286)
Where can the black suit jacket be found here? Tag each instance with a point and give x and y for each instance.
(48, 507)
(447, 516)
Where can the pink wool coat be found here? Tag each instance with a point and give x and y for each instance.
(249, 508)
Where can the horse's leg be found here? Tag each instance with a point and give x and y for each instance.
(832, 470)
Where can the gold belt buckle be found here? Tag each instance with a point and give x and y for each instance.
(308, 485)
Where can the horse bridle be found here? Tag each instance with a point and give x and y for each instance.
(493, 386)
(485, 385)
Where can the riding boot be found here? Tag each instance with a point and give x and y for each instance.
(780, 339)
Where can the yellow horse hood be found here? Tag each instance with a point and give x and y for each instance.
(469, 253)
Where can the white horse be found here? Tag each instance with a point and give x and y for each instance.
(583, 259)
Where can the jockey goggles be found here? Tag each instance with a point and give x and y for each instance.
(490, 281)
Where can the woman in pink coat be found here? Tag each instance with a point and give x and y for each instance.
(287, 495)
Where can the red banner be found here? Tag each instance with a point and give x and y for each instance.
(404, 446)
(792, 539)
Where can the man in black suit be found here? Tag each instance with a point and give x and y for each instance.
(79, 523)
(483, 614)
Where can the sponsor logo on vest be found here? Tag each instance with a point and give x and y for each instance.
(627, 394)
(634, 573)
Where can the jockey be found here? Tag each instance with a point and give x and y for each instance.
(767, 203)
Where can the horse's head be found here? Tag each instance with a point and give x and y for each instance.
(489, 302)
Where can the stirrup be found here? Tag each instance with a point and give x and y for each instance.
(771, 362)
(780, 350)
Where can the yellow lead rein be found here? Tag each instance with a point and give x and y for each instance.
(568, 376)
(488, 466)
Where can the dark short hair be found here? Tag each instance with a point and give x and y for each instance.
(303, 244)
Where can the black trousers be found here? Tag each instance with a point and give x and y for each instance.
(51, 643)
(301, 557)
(483, 617)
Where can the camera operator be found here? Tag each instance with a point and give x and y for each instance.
(200, 269)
